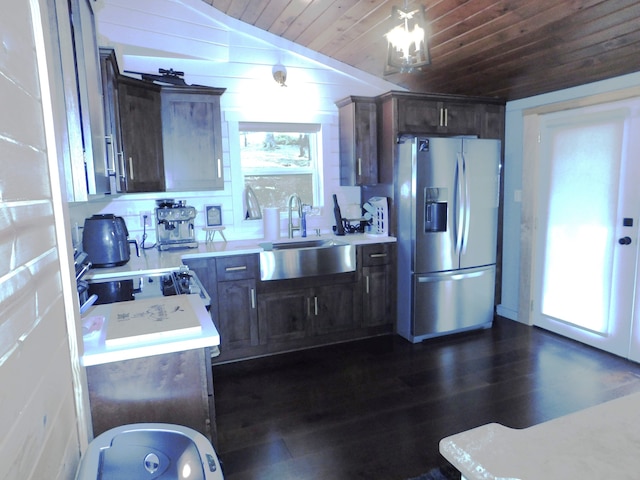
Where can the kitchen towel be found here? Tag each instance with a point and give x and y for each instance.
(271, 223)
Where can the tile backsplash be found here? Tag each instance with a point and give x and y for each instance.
(130, 207)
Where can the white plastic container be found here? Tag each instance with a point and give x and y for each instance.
(379, 216)
(150, 450)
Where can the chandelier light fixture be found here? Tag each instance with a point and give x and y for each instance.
(408, 46)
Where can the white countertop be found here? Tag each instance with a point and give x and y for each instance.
(151, 260)
(97, 351)
(600, 442)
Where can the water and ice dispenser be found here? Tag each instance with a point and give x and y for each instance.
(435, 210)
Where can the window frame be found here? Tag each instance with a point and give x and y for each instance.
(316, 140)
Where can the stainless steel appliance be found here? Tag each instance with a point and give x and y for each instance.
(82, 266)
(105, 239)
(447, 191)
(147, 285)
(174, 225)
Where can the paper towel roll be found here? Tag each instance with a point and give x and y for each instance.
(271, 216)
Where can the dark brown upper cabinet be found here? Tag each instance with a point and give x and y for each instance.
(192, 138)
(141, 127)
(405, 113)
(158, 137)
(358, 141)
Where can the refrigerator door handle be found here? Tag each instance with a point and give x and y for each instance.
(474, 273)
(467, 205)
(460, 202)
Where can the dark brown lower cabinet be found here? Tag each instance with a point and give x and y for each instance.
(256, 318)
(333, 309)
(378, 283)
(376, 307)
(301, 313)
(237, 313)
(283, 315)
(295, 314)
(174, 388)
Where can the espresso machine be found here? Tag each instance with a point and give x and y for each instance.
(174, 225)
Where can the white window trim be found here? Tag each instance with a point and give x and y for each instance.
(318, 124)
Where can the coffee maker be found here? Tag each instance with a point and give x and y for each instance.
(174, 225)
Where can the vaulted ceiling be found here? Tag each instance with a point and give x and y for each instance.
(506, 48)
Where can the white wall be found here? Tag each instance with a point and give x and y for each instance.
(514, 181)
(38, 415)
(215, 50)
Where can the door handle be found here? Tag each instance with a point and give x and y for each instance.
(624, 241)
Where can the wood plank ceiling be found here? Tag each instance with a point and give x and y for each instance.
(505, 48)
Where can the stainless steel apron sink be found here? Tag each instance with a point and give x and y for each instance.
(306, 258)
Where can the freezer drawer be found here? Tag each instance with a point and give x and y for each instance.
(446, 302)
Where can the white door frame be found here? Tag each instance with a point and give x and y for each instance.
(530, 203)
(530, 187)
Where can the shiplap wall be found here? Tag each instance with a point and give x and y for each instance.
(216, 50)
(38, 420)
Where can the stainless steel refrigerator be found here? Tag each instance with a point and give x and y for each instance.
(447, 194)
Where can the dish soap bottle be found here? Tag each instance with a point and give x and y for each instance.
(303, 221)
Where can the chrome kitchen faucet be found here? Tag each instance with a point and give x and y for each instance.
(294, 200)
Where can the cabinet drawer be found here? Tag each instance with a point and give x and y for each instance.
(376, 254)
(237, 267)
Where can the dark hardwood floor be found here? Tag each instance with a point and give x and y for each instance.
(377, 408)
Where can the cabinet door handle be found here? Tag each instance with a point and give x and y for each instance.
(253, 298)
(366, 284)
(359, 167)
(130, 168)
(219, 168)
(315, 305)
(377, 255)
(444, 117)
(123, 171)
(111, 171)
(235, 269)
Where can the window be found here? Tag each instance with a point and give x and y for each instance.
(280, 159)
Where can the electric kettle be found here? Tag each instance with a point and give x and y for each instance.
(105, 241)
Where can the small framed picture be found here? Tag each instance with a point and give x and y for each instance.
(213, 215)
